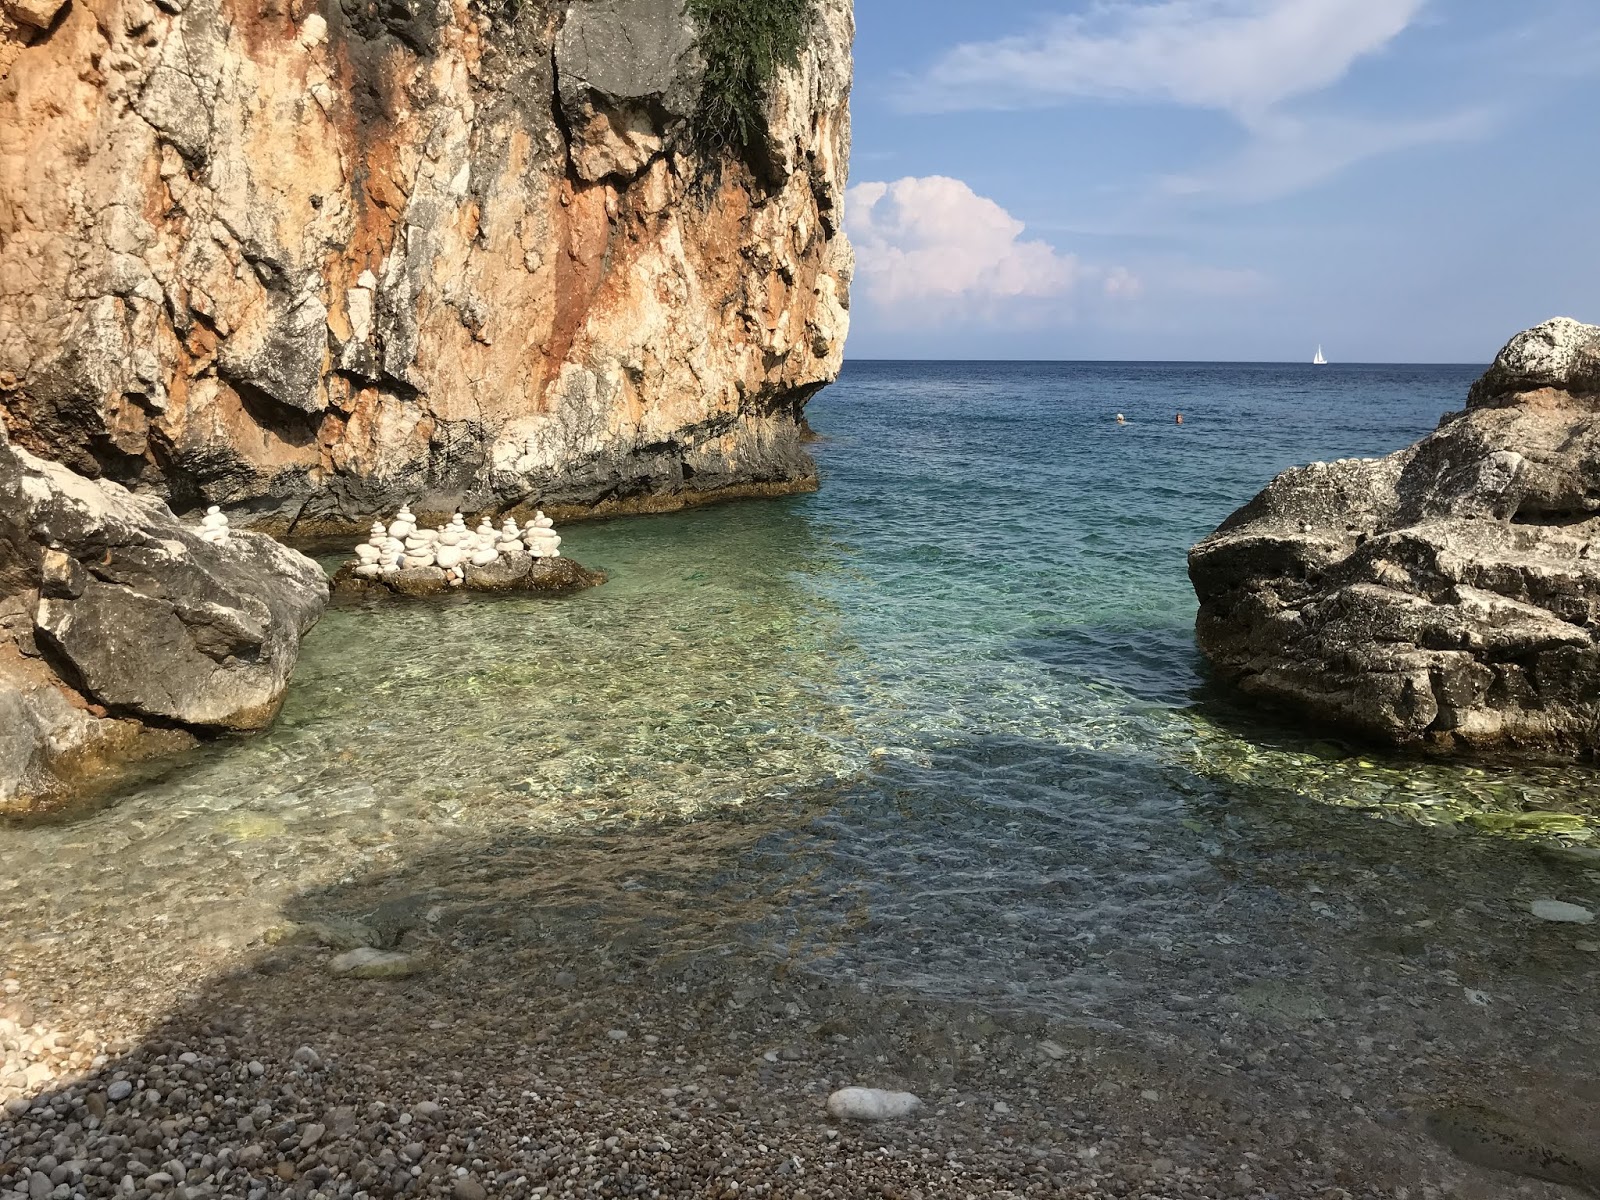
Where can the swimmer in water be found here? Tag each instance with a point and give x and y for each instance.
(1121, 420)
(1180, 419)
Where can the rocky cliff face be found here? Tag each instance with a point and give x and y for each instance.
(122, 632)
(1444, 597)
(308, 258)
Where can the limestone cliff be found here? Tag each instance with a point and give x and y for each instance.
(308, 258)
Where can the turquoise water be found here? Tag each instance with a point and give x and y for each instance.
(939, 727)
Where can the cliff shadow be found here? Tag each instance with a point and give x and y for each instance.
(1177, 980)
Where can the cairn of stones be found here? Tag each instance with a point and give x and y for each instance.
(403, 545)
(214, 527)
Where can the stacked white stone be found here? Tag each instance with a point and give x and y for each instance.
(452, 547)
(369, 554)
(510, 538)
(421, 545)
(455, 543)
(541, 538)
(484, 550)
(214, 527)
(404, 524)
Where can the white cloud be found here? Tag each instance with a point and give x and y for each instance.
(933, 243)
(1239, 56)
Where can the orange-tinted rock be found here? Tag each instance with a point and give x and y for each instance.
(308, 261)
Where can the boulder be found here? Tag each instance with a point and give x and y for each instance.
(1446, 597)
(123, 633)
(511, 573)
(628, 75)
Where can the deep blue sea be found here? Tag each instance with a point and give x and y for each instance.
(939, 730)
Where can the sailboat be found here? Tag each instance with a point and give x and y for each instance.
(1319, 361)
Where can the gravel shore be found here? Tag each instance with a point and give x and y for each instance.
(464, 1083)
(482, 1044)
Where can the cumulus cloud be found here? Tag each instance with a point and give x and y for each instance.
(1239, 56)
(933, 242)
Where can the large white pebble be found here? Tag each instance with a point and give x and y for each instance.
(871, 1104)
(1559, 910)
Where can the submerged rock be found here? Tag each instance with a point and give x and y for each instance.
(1560, 910)
(123, 631)
(871, 1104)
(1445, 597)
(1489, 1139)
(365, 962)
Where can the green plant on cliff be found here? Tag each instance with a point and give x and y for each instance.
(744, 43)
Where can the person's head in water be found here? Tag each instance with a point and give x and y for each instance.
(1180, 419)
(1121, 420)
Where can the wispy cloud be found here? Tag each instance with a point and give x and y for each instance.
(1256, 60)
(1238, 56)
(1287, 154)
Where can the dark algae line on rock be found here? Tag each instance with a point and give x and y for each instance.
(1446, 597)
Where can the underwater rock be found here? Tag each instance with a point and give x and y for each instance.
(124, 631)
(1560, 910)
(366, 962)
(1446, 597)
(871, 1104)
(1488, 1139)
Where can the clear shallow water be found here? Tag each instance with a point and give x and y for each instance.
(940, 727)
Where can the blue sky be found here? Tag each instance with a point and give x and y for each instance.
(1400, 180)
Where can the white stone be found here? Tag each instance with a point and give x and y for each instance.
(364, 962)
(871, 1104)
(1559, 910)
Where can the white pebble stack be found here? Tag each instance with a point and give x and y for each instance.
(214, 527)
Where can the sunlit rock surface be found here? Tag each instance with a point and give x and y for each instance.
(1447, 596)
(308, 262)
(122, 629)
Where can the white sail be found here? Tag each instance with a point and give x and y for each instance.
(1319, 361)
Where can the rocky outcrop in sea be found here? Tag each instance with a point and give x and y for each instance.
(1445, 597)
(306, 261)
(124, 632)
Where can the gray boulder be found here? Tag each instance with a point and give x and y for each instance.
(122, 632)
(1445, 597)
(628, 77)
